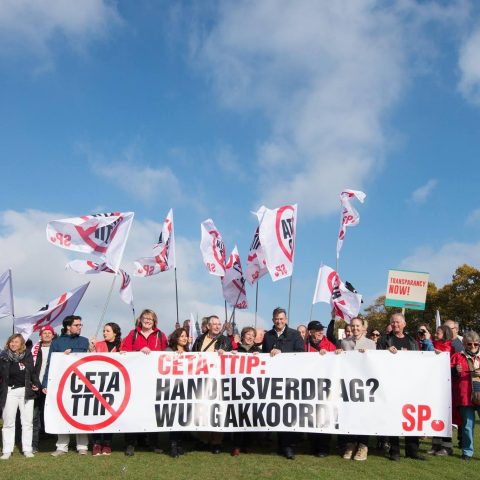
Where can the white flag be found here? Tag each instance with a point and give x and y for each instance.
(349, 216)
(163, 258)
(277, 237)
(212, 248)
(327, 278)
(193, 330)
(52, 314)
(87, 267)
(256, 264)
(102, 234)
(126, 293)
(330, 289)
(233, 283)
(6, 294)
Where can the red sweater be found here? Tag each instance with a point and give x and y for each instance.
(324, 344)
(135, 341)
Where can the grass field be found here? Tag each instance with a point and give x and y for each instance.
(262, 465)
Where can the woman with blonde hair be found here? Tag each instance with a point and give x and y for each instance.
(18, 384)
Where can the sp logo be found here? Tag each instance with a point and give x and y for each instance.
(97, 234)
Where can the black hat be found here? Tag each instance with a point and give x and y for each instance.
(315, 325)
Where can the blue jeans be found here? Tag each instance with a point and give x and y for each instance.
(468, 425)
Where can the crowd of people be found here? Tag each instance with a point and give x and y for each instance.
(24, 371)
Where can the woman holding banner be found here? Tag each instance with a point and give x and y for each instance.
(112, 339)
(178, 343)
(145, 337)
(18, 384)
(466, 388)
(356, 446)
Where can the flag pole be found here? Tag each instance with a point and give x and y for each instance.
(106, 305)
(289, 296)
(226, 313)
(11, 300)
(256, 304)
(176, 292)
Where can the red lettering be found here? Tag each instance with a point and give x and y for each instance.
(407, 410)
(424, 413)
(202, 366)
(164, 364)
(252, 361)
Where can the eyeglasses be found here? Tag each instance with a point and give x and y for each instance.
(375, 335)
(472, 344)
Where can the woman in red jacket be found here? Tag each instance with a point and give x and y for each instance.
(145, 338)
(112, 338)
(466, 384)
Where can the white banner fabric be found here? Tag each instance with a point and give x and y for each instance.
(103, 234)
(163, 252)
(371, 393)
(277, 230)
(6, 294)
(212, 248)
(52, 314)
(233, 283)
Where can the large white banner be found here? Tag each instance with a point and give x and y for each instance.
(371, 393)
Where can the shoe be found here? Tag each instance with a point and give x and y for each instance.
(96, 450)
(386, 447)
(433, 450)
(28, 455)
(348, 453)
(130, 451)
(288, 453)
(35, 450)
(5, 456)
(235, 452)
(464, 457)
(362, 453)
(415, 456)
(106, 450)
(394, 457)
(444, 452)
(216, 449)
(321, 454)
(58, 453)
(83, 451)
(174, 450)
(158, 450)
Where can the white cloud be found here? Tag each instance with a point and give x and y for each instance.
(144, 182)
(469, 64)
(32, 26)
(422, 193)
(39, 275)
(473, 218)
(324, 75)
(441, 263)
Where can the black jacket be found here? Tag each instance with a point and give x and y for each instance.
(221, 343)
(31, 378)
(386, 341)
(288, 342)
(253, 349)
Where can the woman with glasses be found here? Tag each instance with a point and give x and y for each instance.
(374, 335)
(466, 388)
(145, 338)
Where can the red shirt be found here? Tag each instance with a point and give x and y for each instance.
(324, 344)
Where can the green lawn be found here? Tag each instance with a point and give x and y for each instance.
(264, 465)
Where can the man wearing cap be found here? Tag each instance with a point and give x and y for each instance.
(282, 339)
(317, 342)
(40, 353)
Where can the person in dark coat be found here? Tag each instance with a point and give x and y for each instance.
(282, 339)
(18, 386)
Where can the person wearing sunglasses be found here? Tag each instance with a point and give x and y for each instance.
(466, 388)
(374, 335)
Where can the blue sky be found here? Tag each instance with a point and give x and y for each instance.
(215, 108)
